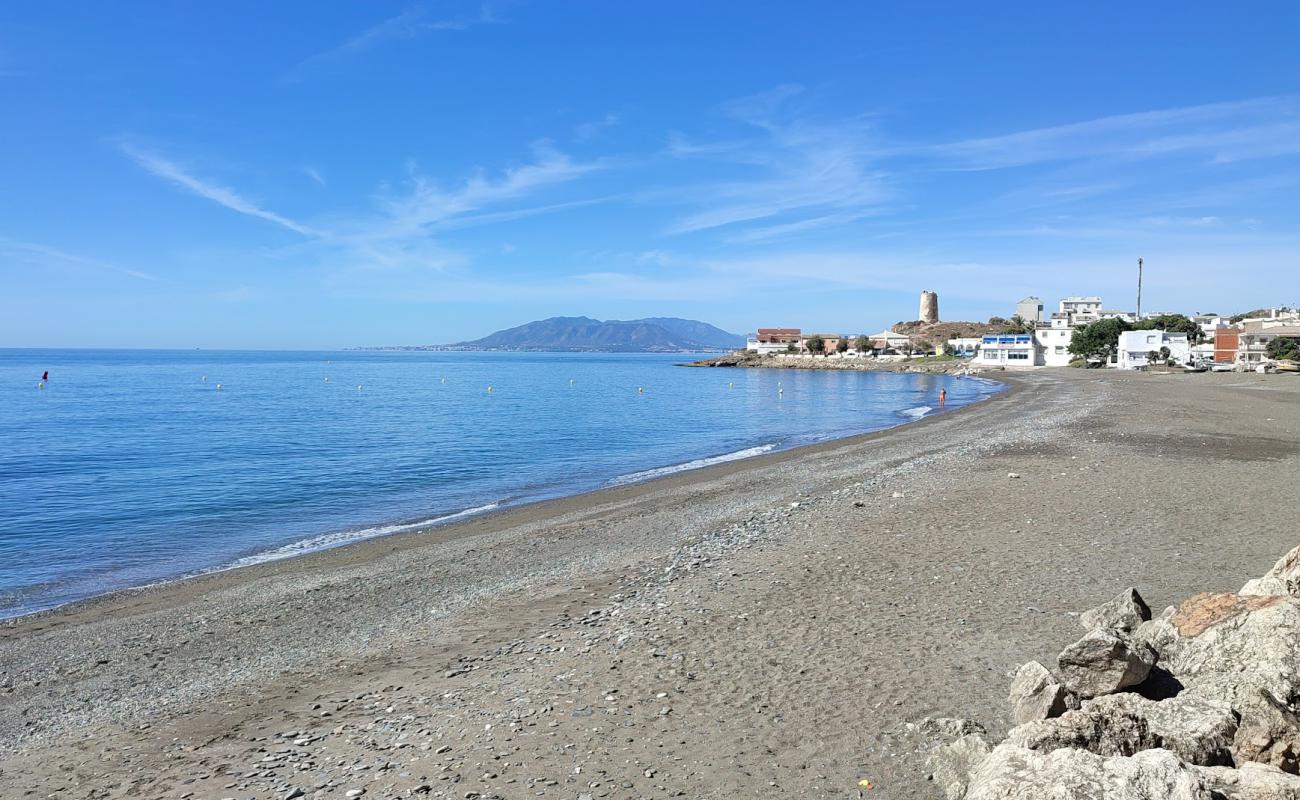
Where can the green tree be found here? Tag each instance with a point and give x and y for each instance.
(842, 346)
(862, 344)
(1172, 323)
(1165, 355)
(1099, 340)
(815, 344)
(1018, 324)
(792, 348)
(1281, 347)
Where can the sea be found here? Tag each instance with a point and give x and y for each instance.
(131, 467)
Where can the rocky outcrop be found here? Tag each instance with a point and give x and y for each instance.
(1016, 773)
(1282, 579)
(1199, 703)
(1104, 661)
(1123, 613)
(1037, 694)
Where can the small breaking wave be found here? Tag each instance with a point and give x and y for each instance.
(339, 538)
(915, 413)
(659, 472)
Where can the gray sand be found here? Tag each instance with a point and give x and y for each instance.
(697, 636)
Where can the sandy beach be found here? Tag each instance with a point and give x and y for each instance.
(765, 628)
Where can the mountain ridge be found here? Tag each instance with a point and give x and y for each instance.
(577, 334)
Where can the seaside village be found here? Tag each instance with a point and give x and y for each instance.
(1081, 331)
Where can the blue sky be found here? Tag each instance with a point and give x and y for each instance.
(299, 175)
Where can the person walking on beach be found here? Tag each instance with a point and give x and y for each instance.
(943, 397)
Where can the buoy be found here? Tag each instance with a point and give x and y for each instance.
(780, 391)
(731, 385)
(40, 385)
(218, 387)
(640, 389)
(204, 379)
(358, 387)
(327, 380)
(444, 380)
(571, 381)
(489, 389)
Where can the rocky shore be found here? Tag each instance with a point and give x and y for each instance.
(1199, 703)
(769, 628)
(741, 358)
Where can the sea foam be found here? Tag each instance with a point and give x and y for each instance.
(659, 472)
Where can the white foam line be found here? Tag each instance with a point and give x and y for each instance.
(916, 413)
(659, 472)
(338, 538)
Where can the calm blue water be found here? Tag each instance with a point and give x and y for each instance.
(129, 467)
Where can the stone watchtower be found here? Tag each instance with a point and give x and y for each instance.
(929, 307)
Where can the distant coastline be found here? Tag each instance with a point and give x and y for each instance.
(456, 348)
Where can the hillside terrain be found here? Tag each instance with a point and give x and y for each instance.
(576, 334)
(939, 332)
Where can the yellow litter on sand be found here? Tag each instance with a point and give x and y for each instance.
(866, 784)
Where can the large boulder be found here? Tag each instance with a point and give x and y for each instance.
(1269, 733)
(1282, 579)
(1012, 772)
(1104, 661)
(1037, 694)
(1158, 631)
(1125, 612)
(952, 764)
(1244, 639)
(1252, 781)
(1197, 730)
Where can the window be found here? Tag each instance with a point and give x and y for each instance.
(1017, 356)
(1060, 350)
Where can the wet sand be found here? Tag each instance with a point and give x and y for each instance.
(759, 628)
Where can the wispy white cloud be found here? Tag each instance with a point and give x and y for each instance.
(427, 205)
(173, 172)
(1252, 128)
(314, 174)
(412, 23)
(592, 129)
(806, 174)
(42, 255)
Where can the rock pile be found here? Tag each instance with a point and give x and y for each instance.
(1199, 703)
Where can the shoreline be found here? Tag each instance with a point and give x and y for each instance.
(918, 365)
(463, 517)
(770, 627)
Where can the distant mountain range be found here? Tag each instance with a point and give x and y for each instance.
(579, 334)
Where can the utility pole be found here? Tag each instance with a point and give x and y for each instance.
(1139, 309)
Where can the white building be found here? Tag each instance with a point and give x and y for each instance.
(1110, 313)
(965, 347)
(1030, 310)
(1053, 342)
(1081, 310)
(1134, 346)
(1008, 350)
(1209, 323)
